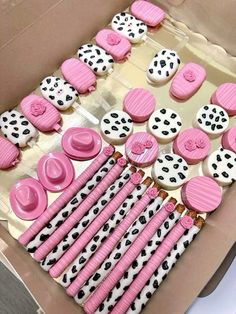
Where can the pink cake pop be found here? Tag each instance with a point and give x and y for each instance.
(9, 154)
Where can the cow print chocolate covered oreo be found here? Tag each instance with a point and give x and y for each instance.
(221, 166)
(17, 128)
(130, 27)
(163, 66)
(164, 124)
(99, 61)
(116, 126)
(212, 119)
(170, 171)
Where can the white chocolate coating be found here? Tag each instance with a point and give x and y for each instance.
(16, 128)
(116, 126)
(170, 171)
(164, 124)
(58, 92)
(221, 166)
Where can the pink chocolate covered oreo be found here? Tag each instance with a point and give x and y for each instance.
(187, 81)
(228, 139)
(81, 143)
(79, 75)
(201, 194)
(9, 154)
(28, 199)
(41, 113)
(139, 103)
(55, 171)
(193, 145)
(225, 96)
(141, 149)
(115, 44)
(149, 13)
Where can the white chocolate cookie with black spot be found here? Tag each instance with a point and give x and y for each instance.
(221, 166)
(170, 171)
(16, 128)
(164, 124)
(212, 119)
(99, 61)
(116, 126)
(130, 27)
(163, 66)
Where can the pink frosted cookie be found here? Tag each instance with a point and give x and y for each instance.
(9, 154)
(187, 81)
(141, 149)
(228, 139)
(225, 96)
(139, 103)
(193, 145)
(28, 199)
(149, 13)
(78, 75)
(81, 143)
(201, 194)
(55, 171)
(41, 113)
(116, 45)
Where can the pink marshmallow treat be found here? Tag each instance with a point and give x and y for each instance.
(139, 103)
(187, 81)
(193, 145)
(228, 139)
(225, 96)
(9, 154)
(202, 194)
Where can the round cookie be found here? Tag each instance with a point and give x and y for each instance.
(201, 194)
(141, 149)
(225, 96)
(193, 145)
(228, 139)
(212, 119)
(221, 166)
(116, 126)
(170, 171)
(163, 66)
(139, 103)
(164, 124)
(130, 27)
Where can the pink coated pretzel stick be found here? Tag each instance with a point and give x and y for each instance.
(154, 262)
(109, 244)
(65, 196)
(102, 218)
(126, 260)
(58, 235)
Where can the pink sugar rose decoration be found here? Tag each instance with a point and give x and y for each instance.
(186, 222)
(37, 109)
(113, 39)
(148, 144)
(200, 143)
(152, 192)
(136, 178)
(108, 151)
(122, 162)
(190, 145)
(169, 207)
(189, 76)
(137, 148)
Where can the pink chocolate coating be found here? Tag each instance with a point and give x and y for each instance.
(149, 13)
(139, 103)
(41, 113)
(202, 194)
(78, 75)
(187, 81)
(141, 149)
(8, 154)
(228, 139)
(225, 96)
(193, 145)
(115, 44)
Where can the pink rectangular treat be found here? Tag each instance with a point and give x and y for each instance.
(115, 44)
(79, 75)
(149, 13)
